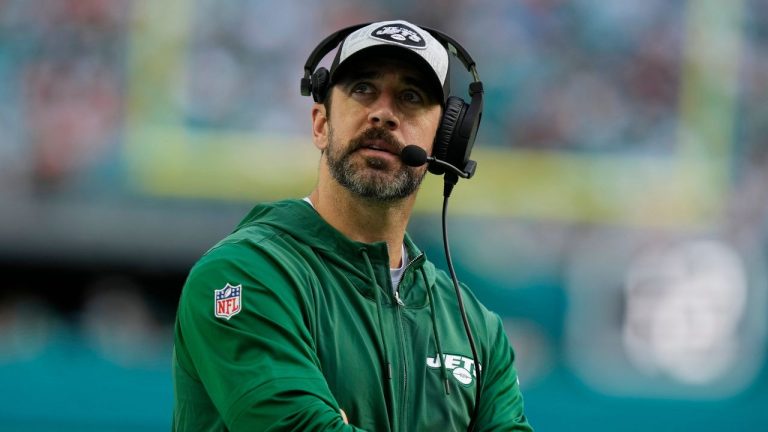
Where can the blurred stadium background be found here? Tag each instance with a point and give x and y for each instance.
(618, 220)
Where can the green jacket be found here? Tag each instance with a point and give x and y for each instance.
(286, 321)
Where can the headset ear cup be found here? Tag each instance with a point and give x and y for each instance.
(320, 80)
(454, 111)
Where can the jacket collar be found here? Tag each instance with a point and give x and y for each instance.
(299, 219)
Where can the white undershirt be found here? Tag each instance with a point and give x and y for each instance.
(394, 273)
(397, 273)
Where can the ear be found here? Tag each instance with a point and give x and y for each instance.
(319, 126)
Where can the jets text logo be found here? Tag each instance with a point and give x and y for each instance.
(462, 368)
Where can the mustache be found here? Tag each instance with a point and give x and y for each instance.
(376, 133)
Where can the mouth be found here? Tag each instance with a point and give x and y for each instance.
(379, 146)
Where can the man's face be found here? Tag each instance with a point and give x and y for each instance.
(377, 109)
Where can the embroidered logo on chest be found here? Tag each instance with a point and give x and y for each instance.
(462, 368)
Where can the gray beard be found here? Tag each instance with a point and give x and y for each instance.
(374, 183)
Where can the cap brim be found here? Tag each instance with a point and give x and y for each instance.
(379, 53)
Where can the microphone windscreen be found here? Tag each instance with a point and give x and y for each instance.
(413, 155)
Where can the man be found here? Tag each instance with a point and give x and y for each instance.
(322, 314)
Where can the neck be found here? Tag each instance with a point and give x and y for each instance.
(364, 220)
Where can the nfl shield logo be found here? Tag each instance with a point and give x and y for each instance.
(228, 301)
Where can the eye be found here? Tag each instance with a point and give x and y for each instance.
(412, 96)
(363, 87)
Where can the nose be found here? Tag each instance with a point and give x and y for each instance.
(383, 113)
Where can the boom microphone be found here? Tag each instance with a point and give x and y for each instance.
(415, 156)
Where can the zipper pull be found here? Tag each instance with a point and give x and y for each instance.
(397, 297)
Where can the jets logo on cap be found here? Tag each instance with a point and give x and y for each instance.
(400, 34)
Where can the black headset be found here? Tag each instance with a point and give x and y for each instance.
(455, 136)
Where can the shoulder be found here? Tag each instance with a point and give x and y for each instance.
(251, 248)
(257, 257)
(266, 233)
(447, 292)
(484, 321)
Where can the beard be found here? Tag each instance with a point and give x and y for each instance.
(374, 181)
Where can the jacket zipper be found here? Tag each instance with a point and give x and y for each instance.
(400, 304)
(405, 270)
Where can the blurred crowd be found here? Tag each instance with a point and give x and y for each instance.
(62, 64)
(110, 317)
(576, 75)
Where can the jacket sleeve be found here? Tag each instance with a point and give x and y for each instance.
(259, 367)
(501, 406)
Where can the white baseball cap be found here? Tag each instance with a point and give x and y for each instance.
(397, 34)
